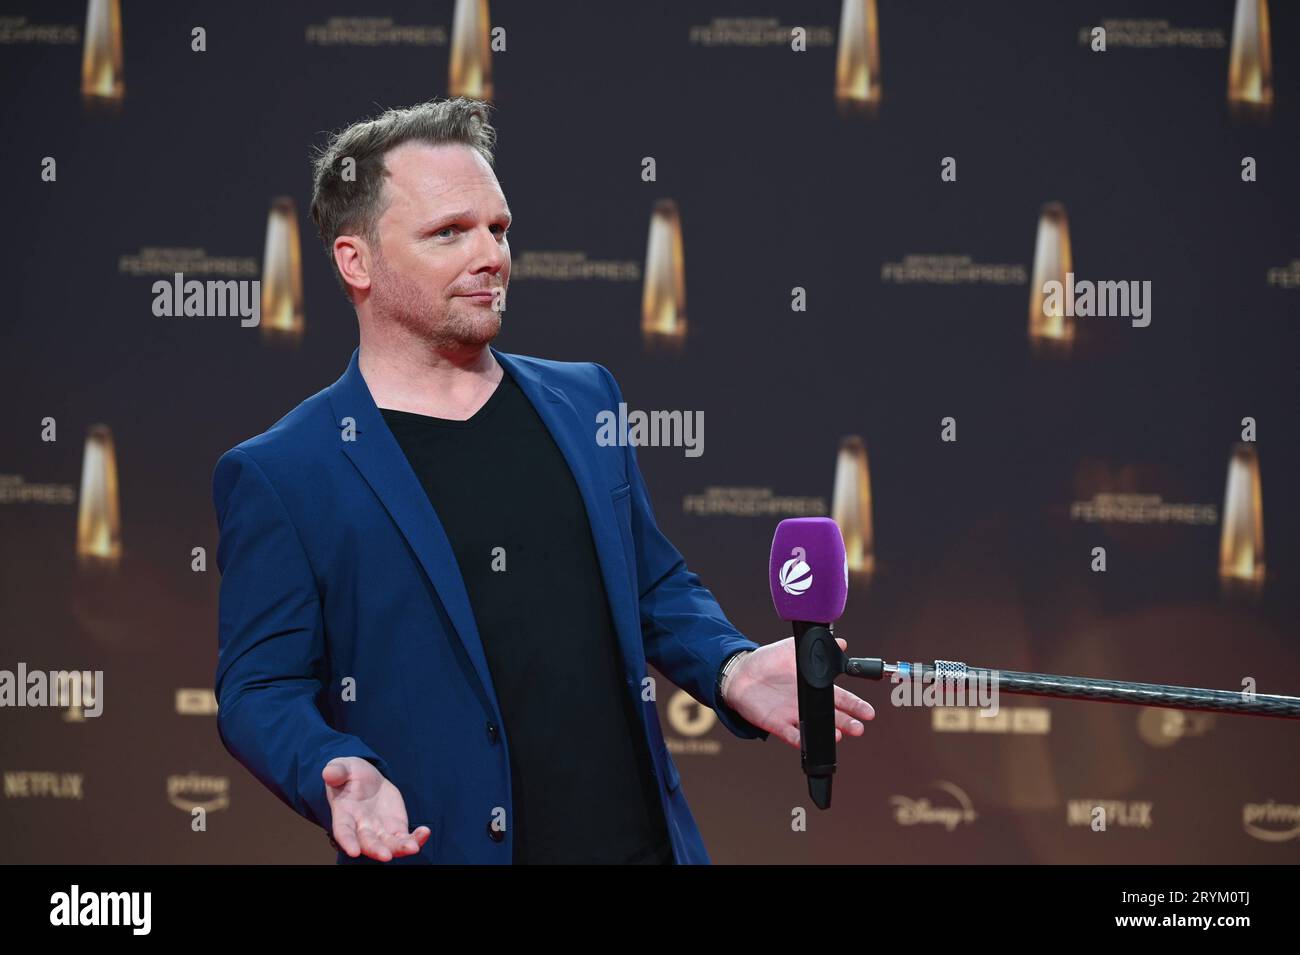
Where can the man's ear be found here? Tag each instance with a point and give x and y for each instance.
(354, 260)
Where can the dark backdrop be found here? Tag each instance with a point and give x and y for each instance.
(982, 553)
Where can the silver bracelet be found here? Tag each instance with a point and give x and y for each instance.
(728, 670)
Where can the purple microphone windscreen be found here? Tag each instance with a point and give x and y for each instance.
(808, 570)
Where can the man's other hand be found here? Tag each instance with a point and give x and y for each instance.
(369, 816)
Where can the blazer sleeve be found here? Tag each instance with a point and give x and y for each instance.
(271, 659)
(686, 635)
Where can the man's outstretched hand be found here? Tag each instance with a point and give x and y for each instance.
(764, 690)
(369, 816)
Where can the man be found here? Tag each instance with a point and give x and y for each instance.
(440, 593)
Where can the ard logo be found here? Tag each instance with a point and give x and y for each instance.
(688, 717)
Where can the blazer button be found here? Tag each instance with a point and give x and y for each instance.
(492, 731)
(496, 835)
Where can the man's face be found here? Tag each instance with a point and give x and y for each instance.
(442, 237)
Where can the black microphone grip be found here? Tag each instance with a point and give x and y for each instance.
(818, 660)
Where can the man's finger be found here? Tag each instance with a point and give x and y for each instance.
(847, 723)
(853, 705)
(409, 843)
(372, 845)
(792, 737)
(335, 773)
(345, 834)
(397, 842)
(412, 843)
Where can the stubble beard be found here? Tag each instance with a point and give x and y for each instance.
(448, 326)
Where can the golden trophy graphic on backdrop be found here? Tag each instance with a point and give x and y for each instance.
(1051, 331)
(663, 299)
(851, 506)
(99, 524)
(102, 85)
(471, 55)
(1250, 69)
(1241, 544)
(282, 317)
(857, 63)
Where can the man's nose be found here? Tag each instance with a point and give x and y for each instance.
(489, 254)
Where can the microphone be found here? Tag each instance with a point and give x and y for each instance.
(808, 573)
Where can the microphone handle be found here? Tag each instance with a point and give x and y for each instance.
(818, 660)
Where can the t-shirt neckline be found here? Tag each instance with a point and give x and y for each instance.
(494, 399)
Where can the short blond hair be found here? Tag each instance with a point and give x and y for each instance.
(353, 205)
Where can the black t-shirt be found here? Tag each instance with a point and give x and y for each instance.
(581, 780)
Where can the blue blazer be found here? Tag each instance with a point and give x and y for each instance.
(335, 568)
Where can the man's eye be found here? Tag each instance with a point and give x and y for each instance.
(502, 232)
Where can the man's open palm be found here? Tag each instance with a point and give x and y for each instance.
(369, 816)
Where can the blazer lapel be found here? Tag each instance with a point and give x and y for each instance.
(383, 464)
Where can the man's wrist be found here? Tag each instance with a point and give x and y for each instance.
(728, 670)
